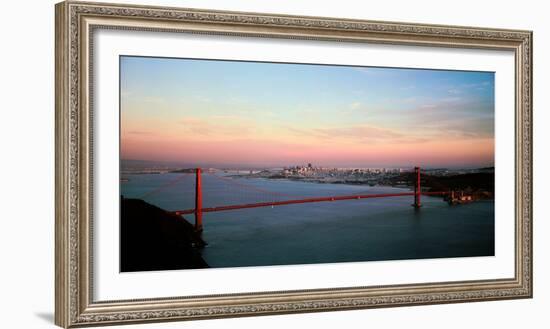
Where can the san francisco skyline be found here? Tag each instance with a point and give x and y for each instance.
(229, 113)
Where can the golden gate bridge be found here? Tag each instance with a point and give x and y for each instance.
(198, 210)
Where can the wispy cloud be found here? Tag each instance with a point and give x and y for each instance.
(138, 132)
(153, 99)
(354, 134)
(216, 127)
(406, 88)
(355, 105)
(412, 99)
(203, 99)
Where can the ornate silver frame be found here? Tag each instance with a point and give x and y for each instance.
(75, 23)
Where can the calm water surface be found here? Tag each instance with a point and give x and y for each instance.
(326, 232)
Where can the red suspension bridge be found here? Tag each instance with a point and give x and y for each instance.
(283, 199)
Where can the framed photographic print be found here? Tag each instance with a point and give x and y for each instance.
(214, 164)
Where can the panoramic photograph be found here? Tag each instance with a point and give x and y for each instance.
(239, 163)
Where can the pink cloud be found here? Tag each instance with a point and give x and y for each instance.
(278, 153)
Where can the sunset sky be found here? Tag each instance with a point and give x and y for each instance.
(248, 114)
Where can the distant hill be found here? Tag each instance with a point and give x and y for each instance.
(480, 181)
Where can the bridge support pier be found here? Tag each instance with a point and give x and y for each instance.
(198, 201)
(417, 189)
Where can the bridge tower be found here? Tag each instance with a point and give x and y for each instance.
(198, 201)
(417, 190)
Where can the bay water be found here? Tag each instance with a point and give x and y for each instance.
(324, 232)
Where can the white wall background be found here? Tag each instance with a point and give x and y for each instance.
(27, 163)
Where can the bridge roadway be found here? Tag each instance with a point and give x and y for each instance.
(298, 201)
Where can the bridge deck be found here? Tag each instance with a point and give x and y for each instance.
(298, 201)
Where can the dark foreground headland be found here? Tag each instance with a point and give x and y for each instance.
(153, 239)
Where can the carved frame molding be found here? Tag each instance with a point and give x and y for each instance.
(76, 23)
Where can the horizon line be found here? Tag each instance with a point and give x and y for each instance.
(180, 164)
